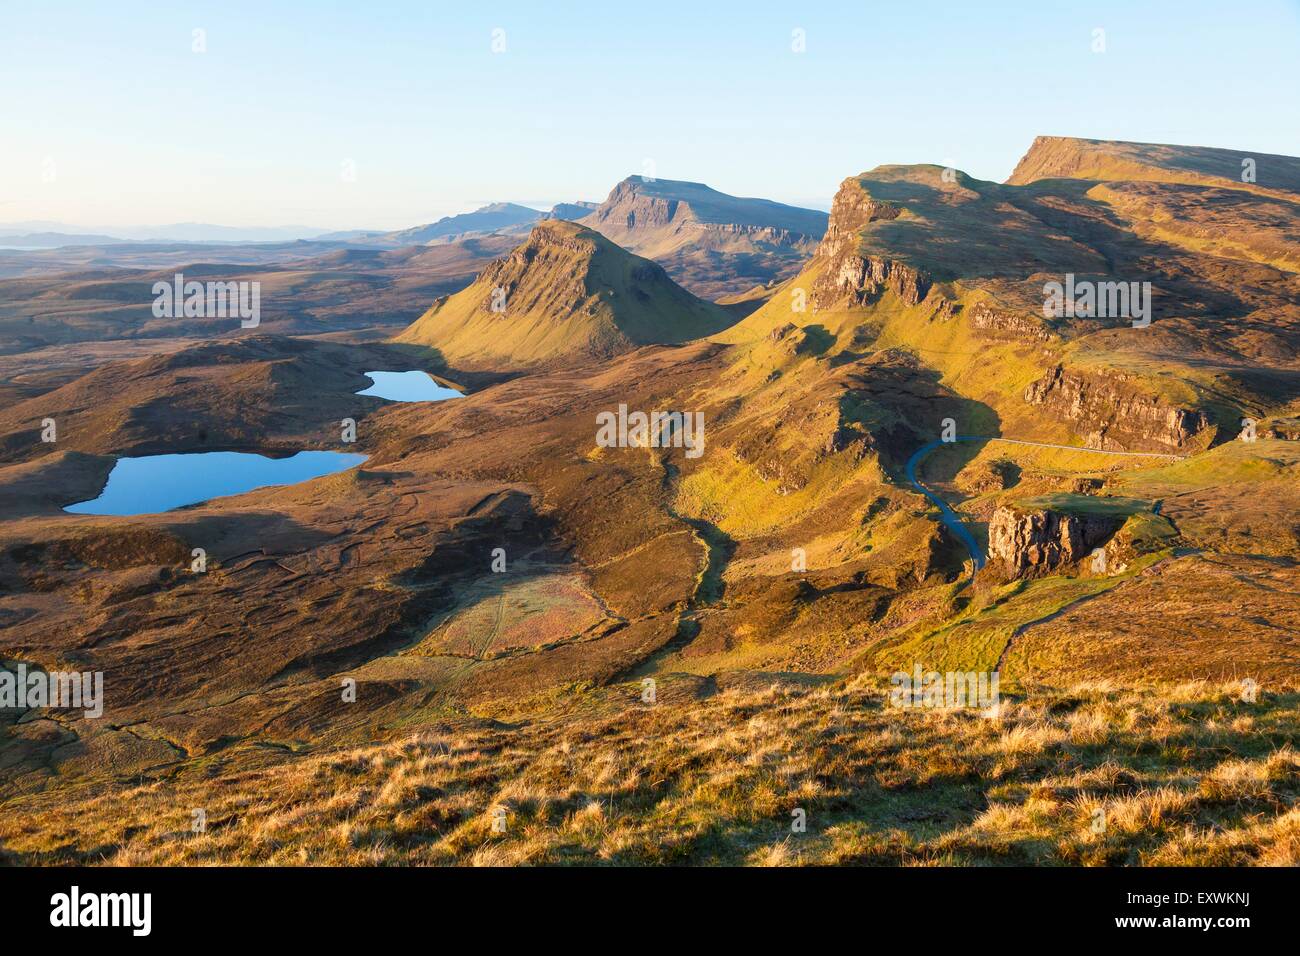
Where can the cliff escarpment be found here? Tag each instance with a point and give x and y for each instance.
(712, 243)
(1110, 411)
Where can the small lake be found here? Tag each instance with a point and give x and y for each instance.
(408, 387)
(155, 483)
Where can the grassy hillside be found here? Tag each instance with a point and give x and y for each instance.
(1068, 157)
(567, 293)
(1189, 774)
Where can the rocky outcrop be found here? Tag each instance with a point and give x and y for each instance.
(1109, 411)
(1000, 324)
(852, 208)
(856, 280)
(941, 307)
(1286, 429)
(782, 331)
(564, 255)
(852, 279)
(1029, 543)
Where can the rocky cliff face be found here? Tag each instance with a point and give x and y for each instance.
(712, 243)
(1108, 412)
(852, 208)
(1000, 324)
(631, 208)
(757, 235)
(852, 279)
(1028, 543)
(855, 280)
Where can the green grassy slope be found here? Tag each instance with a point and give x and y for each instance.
(565, 293)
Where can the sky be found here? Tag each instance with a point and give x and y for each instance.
(389, 114)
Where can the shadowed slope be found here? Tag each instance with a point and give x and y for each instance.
(565, 294)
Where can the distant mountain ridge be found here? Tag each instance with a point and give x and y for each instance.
(500, 217)
(712, 243)
(55, 240)
(571, 211)
(490, 218)
(1066, 157)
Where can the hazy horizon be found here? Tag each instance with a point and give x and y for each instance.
(140, 231)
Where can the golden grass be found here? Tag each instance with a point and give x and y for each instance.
(729, 493)
(1093, 775)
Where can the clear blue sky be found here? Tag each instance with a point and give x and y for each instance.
(138, 129)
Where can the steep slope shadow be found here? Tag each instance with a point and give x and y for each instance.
(565, 295)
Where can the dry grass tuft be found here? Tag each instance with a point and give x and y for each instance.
(1093, 775)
